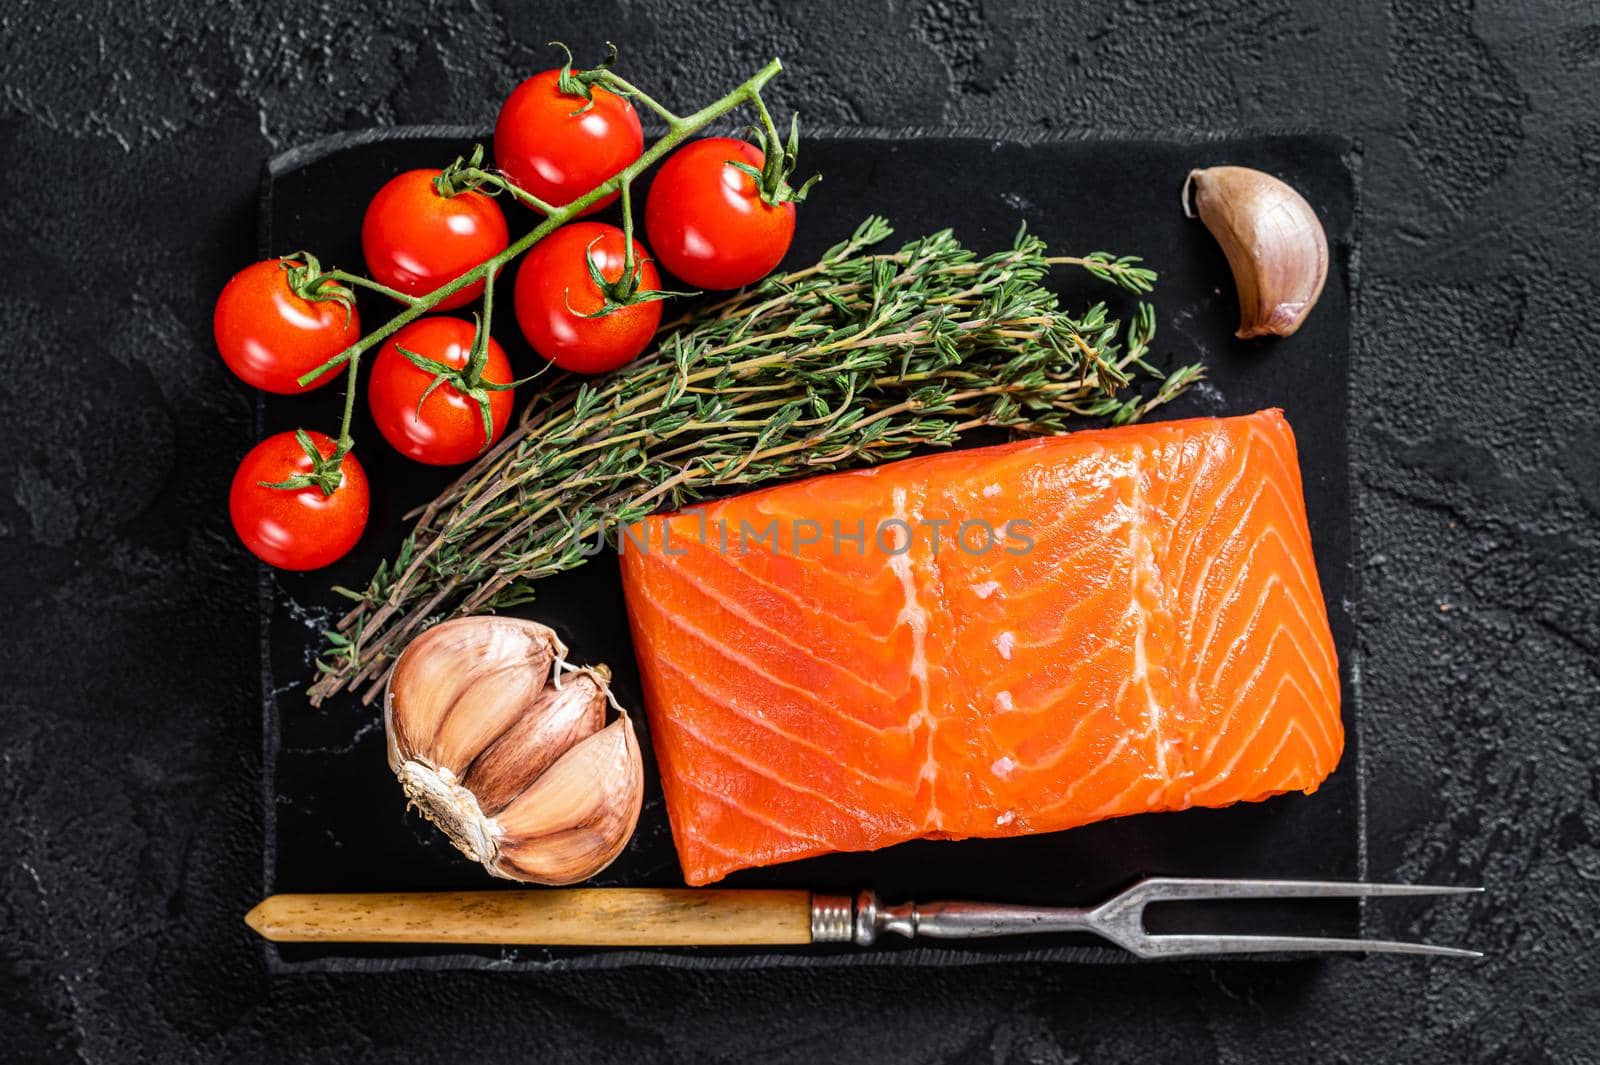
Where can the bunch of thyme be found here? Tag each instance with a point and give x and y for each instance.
(858, 359)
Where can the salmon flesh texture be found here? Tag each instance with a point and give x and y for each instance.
(1161, 644)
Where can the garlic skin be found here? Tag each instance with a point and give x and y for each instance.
(557, 720)
(462, 679)
(1273, 240)
(508, 753)
(577, 817)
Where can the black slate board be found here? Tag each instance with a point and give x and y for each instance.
(335, 818)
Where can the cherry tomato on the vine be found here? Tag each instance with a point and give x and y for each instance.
(270, 335)
(558, 145)
(555, 291)
(415, 238)
(296, 528)
(707, 221)
(447, 427)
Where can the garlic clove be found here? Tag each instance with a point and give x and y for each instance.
(578, 816)
(557, 720)
(425, 682)
(461, 684)
(1273, 240)
(488, 706)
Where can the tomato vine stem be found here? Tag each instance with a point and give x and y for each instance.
(627, 88)
(528, 198)
(367, 283)
(345, 443)
(480, 339)
(679, 128)
(628, 266)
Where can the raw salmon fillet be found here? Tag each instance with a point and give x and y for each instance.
(1162, 644)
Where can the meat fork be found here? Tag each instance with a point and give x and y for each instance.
(836, 919)
(688, 917)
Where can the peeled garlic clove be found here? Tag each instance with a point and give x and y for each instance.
(461, 684)
(1273, 241)
(577, 817)
(557, 719)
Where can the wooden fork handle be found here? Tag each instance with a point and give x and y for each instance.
(560, 917)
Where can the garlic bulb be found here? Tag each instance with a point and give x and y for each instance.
(509, 754)
(1273, 241)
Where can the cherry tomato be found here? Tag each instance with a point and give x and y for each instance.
(554, 291)
(269, 336)
(707, 221)
(449, 426)
(416, 239)
(556, 154)
(296, 528)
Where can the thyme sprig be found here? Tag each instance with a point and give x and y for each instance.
(858, 359)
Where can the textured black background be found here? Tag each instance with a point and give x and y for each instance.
(131, 134)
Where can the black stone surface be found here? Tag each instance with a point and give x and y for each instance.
(129, 743)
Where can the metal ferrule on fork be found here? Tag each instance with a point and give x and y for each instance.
(832, 919)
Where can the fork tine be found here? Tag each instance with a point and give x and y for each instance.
(1171, 889)
(1174, 946)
